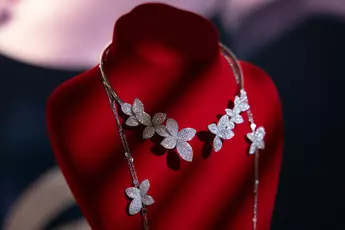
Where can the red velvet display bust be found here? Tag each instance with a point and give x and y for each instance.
(170, 59)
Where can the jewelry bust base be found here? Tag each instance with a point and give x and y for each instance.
(196, 87)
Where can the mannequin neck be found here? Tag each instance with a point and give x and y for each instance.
(164, 41)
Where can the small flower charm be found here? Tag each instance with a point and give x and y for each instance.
(227, 122)
(155, 126)
(223, 130)
(241, 102)
(234, 116)
(240, 105)
(174, 138)
(257, 139)
(139, 196)
(138, 116)
(136, 113)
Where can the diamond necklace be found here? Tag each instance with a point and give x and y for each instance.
(178, 139)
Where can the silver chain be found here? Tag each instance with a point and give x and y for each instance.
(114, 99)
(128, 155)
(237, 70)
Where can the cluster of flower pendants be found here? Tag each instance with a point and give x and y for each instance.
(173, 138)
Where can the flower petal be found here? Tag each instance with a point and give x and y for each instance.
(143, 118)
(138, 106)
(260, 133)
(243, 93)
(172, 127)
(135, 206)
(158, 118)
(226, 134)
(244, 106)
(185, 151)
(132, 192)
(251, 137)
(238, 119)
(252, 148)
(224, 123)
(213, 128)
(229, 112)
(237, 101)
(144, 186)
(132, 121)
(261, 144)
(147, 200)
(217, 144)
(169, 142)
(149, 131)
(126, 109)
(162, 130)
(186, 134)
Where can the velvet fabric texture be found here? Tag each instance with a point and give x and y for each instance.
(171, 61)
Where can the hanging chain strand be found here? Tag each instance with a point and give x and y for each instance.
(130, 160)
(237, 70)
(114, 99)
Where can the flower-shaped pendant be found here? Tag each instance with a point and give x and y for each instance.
(139, 196)
(223, 130)
(257, 139)
(174, 138)
(138, 116)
